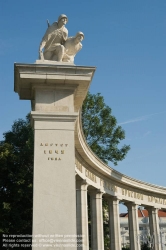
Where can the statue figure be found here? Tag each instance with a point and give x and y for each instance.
(53, 40)
(72, 47)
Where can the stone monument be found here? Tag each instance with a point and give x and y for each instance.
(56, 44)
(65, 169)
(56, 91)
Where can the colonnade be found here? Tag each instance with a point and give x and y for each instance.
(57, 92)
(97, 235)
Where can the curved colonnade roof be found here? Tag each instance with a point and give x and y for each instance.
(111, 182)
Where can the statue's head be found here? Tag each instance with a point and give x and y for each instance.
(79, 36)
(63, 18)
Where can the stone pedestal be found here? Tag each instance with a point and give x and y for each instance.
(56, 93)
(54, 209)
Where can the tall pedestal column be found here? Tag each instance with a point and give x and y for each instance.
(133, 225)
(82, 215)
(154, 227)
(54, 210)
(114, 223)
(97, 235)
(56, 93)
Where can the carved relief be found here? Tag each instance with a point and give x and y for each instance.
(156, 200)
(124, 193)
(108, 185)
(132, 194)
(78, 165)
(90, 175)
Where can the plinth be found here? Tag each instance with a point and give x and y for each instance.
(56, 93)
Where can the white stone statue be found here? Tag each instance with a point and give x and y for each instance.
(72, 47)
(53, 40)
(56, 46)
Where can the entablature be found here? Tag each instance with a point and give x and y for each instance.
(97, 174)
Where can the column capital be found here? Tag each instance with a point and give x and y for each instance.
(150, 208)
(97, 192)
(46, 76)
(113, 198)
(129, 204)
(81, 184)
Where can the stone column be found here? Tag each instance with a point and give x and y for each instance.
(97, 234)
(154, 227)
(114, 223)
(133, 225)
(82, 214)
(54, 209)
(56, 93)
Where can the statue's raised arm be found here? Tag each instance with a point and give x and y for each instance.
(52, 44)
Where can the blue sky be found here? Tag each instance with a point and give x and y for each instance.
(126, 41)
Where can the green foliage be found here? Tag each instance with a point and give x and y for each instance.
(144, 246)
(16, 161)
(101, 130)
(106, 225)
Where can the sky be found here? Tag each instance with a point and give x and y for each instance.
(126, 41)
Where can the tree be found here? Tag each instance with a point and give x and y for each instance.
(101, 130)
(16, 161)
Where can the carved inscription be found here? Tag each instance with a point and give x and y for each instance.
(78, 165)
(109, 186)
(54, 151)
(90, 175)
(132, 194)
(156, 200)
